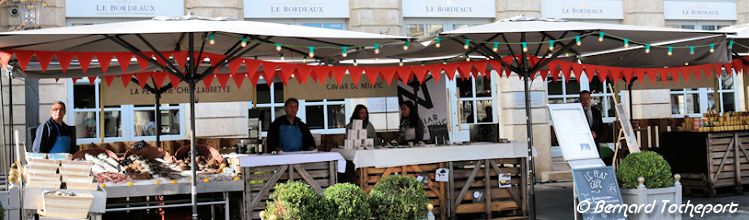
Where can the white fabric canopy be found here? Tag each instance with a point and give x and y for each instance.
(741, 37)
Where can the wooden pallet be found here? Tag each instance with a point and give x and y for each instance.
(469, 178)
(435, 191)
(259, 182)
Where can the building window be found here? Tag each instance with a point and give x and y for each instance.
(324, 115)
(422, 28)
(693, 102)
(120, 123)
(476, 100)
(270, 100)
(562, 91)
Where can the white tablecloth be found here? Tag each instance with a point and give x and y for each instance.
(292, 158)
(389, 157)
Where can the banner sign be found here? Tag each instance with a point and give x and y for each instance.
(594, 186)
(124, 8)
(449, 8)
(296, 9)
(583, 9)
(431, 100)
(705, 10)
(332, 90)
(133, 94)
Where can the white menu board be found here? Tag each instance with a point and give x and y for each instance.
(573, 133)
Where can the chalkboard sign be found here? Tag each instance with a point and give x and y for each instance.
(593, 185)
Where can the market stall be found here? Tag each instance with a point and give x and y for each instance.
(472, 184)
(262, 172)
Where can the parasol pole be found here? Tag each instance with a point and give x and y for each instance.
(191, 82)
(524, 71)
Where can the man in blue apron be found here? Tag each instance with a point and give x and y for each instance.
(288, 133)
(54, 136)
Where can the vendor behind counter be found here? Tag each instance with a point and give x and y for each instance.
(54, 136)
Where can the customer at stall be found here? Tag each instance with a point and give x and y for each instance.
(54, 136)
(288, 133)
(361, 113)
(411, 127)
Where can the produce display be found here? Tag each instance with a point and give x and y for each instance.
(714, 122)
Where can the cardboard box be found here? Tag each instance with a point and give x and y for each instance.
(349, 144)
(363, 134)
(353, 134)
(357, 124)
(369, 142)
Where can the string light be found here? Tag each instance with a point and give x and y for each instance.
(712, 48)
(344, 51)
(670, 50)
(212, 39)
(525, 46)
(600, 36)
(304, 60)
(730, 44)
(551, 44)
(467, 58)
(437, 42)
(691, 50)
(405, 44)
(400, 62)
(647, 48)
(377, 48)
(278, 47)
(311, 52)
(244, 41)
(467, 44)
(282, 57)
(495, 47)
(626, 43)
(444, 62)
(578, 41)
(355, 63)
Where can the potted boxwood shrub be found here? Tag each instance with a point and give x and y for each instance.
(295, 201)
(646, 178)
(398, 197)
(349, 202)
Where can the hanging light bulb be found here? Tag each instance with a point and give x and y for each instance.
(244, 41)
(686, 64)
(304, 60)
(579, 61)
(670, 50)
(600, 36)
(647, 48)
(278, 47)
(444, 62)
(437, 42)
(344, 51)
(578, 41)
(355, 63)
(525, 46)
(730, 44)
(400, 62)
(377, 48)
(626, 42)
(467, 58)
(712, 48)
(467, 44)
(212, 39)
(282, 57)
(691, 50)
(495, 47)
(311, 52)
(405, 44)
(551, 44)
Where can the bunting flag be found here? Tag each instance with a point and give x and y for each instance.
(663, 73)
(126, 79)
(208, 80)
(616, 74)
(303, 73)
(123, 59)
(84, 60)
(104, 60)
(108, 80)
(482, 68)
(23, 58)
(174, 80)
(578, 69)
(717, 69)
(43, 58)
(287, 70)
(553, 70)
(404, 73)
(338, 73)
(239, 79)
(254, 77)
(269, 71)
(464, 69)
(180, 58)
(544, 74)
(215, 59)
(321, 74)
(450, 70)
(223, 79)
(64, 58)
(159, 78)
(420, 72)
(652, 75)
(565, 68)
(165, 54)
(436, 71)
(355, 73)
(372, 73)
(234, 65)
(143, 78)
(387, 74)
(251, 67)
(590, 72)
(628, 74)
(640, 72)
(91, 80)
(143, 60)
(497, 67)
(674, 71)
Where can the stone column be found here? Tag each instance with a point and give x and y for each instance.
(382, 16)
(215, 8)
(508, 8)
(742, 11)
(644, 12)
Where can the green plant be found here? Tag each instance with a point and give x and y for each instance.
(398, 197)
(295, 201)
(349, 201)
(650, 165)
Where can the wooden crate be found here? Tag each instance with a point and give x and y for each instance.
(435, 191)
(259, 182)
(469, 177)
(708, 162)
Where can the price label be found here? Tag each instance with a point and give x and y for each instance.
(442, 175)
